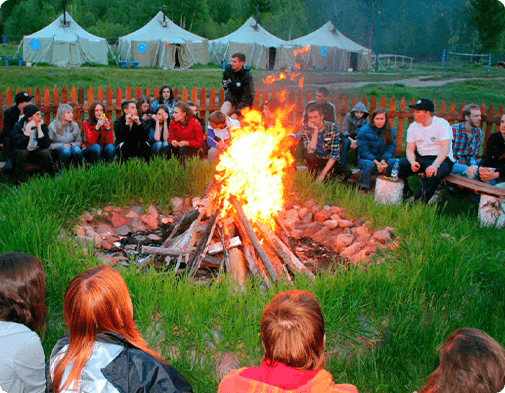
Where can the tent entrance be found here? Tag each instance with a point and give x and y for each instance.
(354, 61)
(177, 54)
(271, 58)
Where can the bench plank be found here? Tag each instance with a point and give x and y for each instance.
(475, 185)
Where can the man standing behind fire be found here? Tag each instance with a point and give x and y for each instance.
(320, 146)
(429, 150)
(237, 79)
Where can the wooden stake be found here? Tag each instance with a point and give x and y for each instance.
(238, 267)
(254, 239)
(203, 245)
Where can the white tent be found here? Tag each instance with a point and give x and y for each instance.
(63, 45)
(330, 50)
(262, 49)
(163, 44)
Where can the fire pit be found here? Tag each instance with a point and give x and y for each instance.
(243, 223)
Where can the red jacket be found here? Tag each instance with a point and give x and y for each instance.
(102, 137)
(191, 132)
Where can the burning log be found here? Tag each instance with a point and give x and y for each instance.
(173, 252)
(254, 239)
(238, 266)
(203, 245)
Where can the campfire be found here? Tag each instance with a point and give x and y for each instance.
(236, 221)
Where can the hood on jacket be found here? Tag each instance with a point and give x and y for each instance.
(360, 107)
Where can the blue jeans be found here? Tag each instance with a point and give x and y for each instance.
(428, 185)
(158, 148)
(461, 169)
(65, 155)
(367, 167)
(346, 144)
(94, 152)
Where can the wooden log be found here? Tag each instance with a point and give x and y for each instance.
(276, 261)
(254, 239)
(226, 258)
(388, 192)
(284, 236)
(217, 248)
(175, 253)
(203, 245)
(238, 268)
(254, 265)
(284, 252)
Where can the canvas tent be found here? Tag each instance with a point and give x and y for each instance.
(163, 44)
(262, 49)
(332, 51)
(64, 44)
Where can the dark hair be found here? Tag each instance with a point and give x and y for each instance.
(160, 95)
(186, 109)
(164, 107)
(91, 113)
(470, 362)
(140, 101)
(315, 108)
(217, 117)
(467, 110)
(239, 56)
(324, 90)
(22, 290)
(387, 134)
(292, 331)
(125, 104)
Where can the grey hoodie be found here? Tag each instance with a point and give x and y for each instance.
(351, 124)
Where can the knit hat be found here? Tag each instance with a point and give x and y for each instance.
(30, 110)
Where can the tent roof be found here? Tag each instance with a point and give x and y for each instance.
(154, 30)
(61, 33)
(326, 35)
(252, 33)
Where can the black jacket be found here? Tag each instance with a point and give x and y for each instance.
(132, 370)
(20, 140)
(138, 132)
(10, 118)
(240, 86)
(495, 153)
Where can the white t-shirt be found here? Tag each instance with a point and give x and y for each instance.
(22, 367)
(429, 139)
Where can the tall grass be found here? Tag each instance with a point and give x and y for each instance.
(384, 323)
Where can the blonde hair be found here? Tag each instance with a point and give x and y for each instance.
(60, 117)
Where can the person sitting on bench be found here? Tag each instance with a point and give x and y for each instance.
(492, 165)
(466, 143)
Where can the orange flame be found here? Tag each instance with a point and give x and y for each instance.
(270, 79)
(300, 82)
(254, 166)
(301, 51)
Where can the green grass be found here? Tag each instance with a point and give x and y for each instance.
(383, 323)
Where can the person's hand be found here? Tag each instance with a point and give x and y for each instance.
(67, 145)
(221, 145)
(165, 117)
(183, 143)
(431, 171)
(136, 119)
(415, 166)
(354, 144)
(31, 124)
(175, 144)
(38, 120)
(471, 170)
(488, 174)
(129, 119)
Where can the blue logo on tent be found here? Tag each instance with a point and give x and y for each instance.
(142, 48)
(35, 44)
(323, 51)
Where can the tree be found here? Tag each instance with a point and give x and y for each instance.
(487, 17)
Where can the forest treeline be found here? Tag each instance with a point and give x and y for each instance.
(413, 28)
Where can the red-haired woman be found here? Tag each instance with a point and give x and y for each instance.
(99, 141)
(22, 312)
(471, 361)
(104, 351)
(186, 135)
(292, 332)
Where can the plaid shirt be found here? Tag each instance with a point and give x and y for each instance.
(330, 146)
(466, 148)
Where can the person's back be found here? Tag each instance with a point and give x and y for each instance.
(292, 332)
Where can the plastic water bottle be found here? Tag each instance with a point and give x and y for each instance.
(394, 171)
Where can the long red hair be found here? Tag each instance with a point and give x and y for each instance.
(95, 301)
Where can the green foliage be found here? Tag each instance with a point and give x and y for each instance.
(487, 17)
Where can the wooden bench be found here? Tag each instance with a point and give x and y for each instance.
(476, 186)
(124, 63)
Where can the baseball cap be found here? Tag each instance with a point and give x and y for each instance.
(423, 104)
(22, 97)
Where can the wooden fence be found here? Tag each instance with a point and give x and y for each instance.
(208, 101)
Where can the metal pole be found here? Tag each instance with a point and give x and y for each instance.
(443, 59)
(377, 39)
(489, 63)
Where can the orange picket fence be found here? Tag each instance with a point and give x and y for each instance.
(208, 101)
